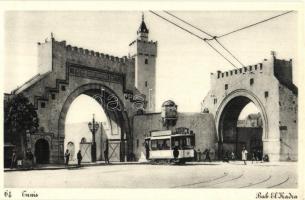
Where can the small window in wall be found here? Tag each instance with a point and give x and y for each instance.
(251, 81)
(43, 105)
(146, 61)
(53, 96)
(266, 94)
(146, 84)
(63, 88)
(215, 101)
(226, 86)
(137, 143)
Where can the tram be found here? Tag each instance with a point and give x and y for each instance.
(161, 146)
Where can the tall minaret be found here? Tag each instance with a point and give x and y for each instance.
(145, 53)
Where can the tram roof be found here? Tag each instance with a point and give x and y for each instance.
(169, 136)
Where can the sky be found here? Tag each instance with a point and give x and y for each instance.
(184, 62)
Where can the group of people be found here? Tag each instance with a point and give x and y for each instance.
(28, 161)
(199, 155)
(256, 155)
(80, 157)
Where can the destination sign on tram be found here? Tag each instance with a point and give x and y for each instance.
(160, 133)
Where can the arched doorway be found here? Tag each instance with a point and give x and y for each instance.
(234, 132)
(42, 151)
(113, 108)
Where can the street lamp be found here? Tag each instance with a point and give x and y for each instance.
(93, 128)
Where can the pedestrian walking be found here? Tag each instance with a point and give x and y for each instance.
(13, 159)
(259, 155)
(253, 156)
(67, 156)
(244, 153)
(79, 158)
(207, 155)
(106, 156)
(31, 159)
(226, 157)
(198, 155)
(176, 153)
(232, 156)
(146, 150)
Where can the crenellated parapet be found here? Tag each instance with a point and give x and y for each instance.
(145, 42)
(258, 68)
(90, 53)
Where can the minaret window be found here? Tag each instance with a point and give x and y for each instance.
(146, 61)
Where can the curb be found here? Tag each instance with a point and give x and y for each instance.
(74, 166)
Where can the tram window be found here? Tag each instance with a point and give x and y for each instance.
(154, 145)
(188, 141)
(193, 141)
(160, 144)
(166, 144)
(175, 142)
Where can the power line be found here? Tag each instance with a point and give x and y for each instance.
(212, 37)
(229, 52)
(221, 54)
(188, 23)
(201, 38)
(223, 35)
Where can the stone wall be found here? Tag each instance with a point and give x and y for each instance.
(288, 123)
(202, 125)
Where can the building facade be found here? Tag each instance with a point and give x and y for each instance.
(270, 87)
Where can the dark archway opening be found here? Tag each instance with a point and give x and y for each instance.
(42, 151)
(118, 124)
(240, 127)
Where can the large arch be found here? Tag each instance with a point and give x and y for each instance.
(228, 112)
(112, 106)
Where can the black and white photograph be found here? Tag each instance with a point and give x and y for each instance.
(168, 99)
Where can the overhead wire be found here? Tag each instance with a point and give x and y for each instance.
(188, 23)
(254, 24)
(201, 38)
(207, 39)
(229, 52)
(215, 37)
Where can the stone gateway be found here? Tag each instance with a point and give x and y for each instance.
(126, 88)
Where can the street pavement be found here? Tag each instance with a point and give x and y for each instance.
(190, 175)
